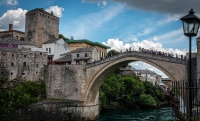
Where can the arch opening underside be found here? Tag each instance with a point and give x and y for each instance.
(110, 67)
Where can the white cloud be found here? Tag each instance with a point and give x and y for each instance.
(175, 35)
(57, 11)
(102, 4)
(135, 39)
(155, 38)
(89, 23)
(11, 2)
(118, 45)
(168, 19)
(146, 31)
(142, 66)
(15, 17)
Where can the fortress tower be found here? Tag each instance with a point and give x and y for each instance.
(41, 26)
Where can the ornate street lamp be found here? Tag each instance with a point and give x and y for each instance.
(190, 27)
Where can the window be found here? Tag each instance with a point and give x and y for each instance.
(36, 65)
(4, 54)
(77, 55)
(77, 62)
(11, 73)
(23, 73)
(49, 50)
(24, 56)
(24, 64)
(40, 53)
(17, 37)
(2, 64)
(12, 64)
(12, 55)
(85, 54)
(9, 45)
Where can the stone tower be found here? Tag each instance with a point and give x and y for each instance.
(198, 58)
(41, 26)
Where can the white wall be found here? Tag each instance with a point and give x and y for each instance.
(50, 45)
(60, 47)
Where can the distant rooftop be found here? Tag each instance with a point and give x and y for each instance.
(89, 42)
(66, 58)
(12, 40)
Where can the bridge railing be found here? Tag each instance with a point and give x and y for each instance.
(139, 55)
(180, 90)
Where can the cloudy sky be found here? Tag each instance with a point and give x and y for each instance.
(120, 24)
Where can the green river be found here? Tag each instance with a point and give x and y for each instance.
(158, 114)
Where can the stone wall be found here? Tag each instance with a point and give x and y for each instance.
(56, 110)
(66, 82)
(22, 64)
(198, 58)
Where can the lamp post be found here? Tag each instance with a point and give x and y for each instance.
(190, 27)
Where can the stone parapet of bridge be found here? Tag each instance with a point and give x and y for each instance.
(139, 55)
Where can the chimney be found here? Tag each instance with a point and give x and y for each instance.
(10, 27)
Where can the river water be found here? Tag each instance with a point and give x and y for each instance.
(158, 114)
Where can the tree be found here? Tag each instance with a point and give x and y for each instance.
(112, 52)
(63, 37)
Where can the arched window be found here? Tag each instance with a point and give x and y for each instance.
(24, 64)
(12, 64)
(85, 54)
(77, 55)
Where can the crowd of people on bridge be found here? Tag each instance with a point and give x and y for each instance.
(155, 52)
(148, 51)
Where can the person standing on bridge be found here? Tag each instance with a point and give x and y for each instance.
(139, 49)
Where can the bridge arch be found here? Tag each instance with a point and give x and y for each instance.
(98, 73)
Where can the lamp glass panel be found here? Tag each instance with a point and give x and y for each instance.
(196, 27)
(189, 26)
(185, 27)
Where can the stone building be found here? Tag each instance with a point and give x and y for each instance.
(80, 56)
(12, 33)
(84, 43)
(22, 64)
(84, 55)
(129, 70)
(41, 26)
(147, 75)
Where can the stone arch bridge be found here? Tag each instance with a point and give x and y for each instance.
(82, 82)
